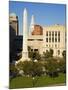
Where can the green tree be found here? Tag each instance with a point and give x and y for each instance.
(19, 65)
(13, 71)
(48, 54)
(30, 52)
(62, 66)
(51, 52)
(37, 55)
(30, 68)
(51, 67)
(64, 54)
(33, 54)
(37, 69)
(13, 68)
(27, 67)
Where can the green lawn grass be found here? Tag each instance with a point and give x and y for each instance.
(26, 82)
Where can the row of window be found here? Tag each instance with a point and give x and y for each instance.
(56, 46)
(52, 33)
(52, 36)
(53, 39)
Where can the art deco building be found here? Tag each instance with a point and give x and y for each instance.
(54, 37)
(49, 37)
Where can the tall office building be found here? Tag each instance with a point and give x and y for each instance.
(13, 21)
(13, 32)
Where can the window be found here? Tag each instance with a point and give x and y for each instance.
(35, 49)
(46, 33)
(58, 36)
(46, 39)
(49, 39)
(14, 21)
(31, 49)
(56, 33)
(53, 33)
(58, 52)
(49, 33)
(52, 39)
(58, 39)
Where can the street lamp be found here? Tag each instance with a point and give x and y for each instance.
(33, 78)
(33, 73)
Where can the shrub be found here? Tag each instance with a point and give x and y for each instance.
(51, 67)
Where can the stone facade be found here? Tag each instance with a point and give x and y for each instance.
(53, 37)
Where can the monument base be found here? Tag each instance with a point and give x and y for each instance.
(22, 60)
(24, 57)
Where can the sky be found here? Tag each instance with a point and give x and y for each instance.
(45, 14)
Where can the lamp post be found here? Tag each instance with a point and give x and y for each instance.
(33, 78)
(33, 74)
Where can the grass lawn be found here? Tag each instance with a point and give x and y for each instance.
(27, 82)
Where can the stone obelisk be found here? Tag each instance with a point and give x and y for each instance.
(31, 25)
(25, 48)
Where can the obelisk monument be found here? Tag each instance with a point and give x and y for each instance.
(31, 25)
(25, 48)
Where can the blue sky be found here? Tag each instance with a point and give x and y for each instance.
(44, 13)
